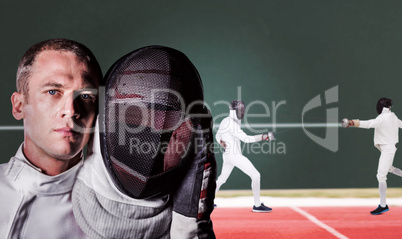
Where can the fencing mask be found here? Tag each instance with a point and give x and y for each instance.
(146, 127)
(383, 102)
(239, 107)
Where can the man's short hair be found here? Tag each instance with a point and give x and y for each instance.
(28, 59)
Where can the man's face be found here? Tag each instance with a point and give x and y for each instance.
(59, 110)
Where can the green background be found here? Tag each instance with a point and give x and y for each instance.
(273, 50)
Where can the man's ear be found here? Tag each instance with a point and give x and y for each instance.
(17, 101)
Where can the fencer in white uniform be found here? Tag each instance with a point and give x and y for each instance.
(386, 126)
(229, 136)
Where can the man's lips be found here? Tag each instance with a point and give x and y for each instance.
(66, 131)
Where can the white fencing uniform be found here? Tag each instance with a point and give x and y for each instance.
(386, 127)
(34, 205)
(230, 132)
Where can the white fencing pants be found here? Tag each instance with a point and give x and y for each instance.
(385, 166)
(237, 160)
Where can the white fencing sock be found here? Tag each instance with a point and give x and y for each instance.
(255, 187)
(383, 191)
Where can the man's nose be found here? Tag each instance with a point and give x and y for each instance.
(68, 108)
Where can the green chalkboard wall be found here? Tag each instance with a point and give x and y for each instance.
(282, 53)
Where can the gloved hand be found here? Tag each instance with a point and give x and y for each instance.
(268, 136)
(193, 200)
(346, 123)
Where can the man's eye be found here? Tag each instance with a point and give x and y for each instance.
(87, 96)
(52, 92)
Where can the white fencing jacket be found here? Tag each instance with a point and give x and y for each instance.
(230, 132)
(386, 127)
(34, 205)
